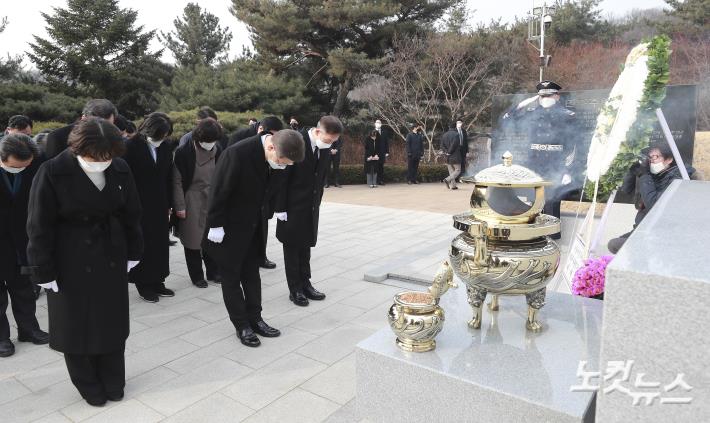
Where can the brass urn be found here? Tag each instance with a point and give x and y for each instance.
(416, 317)
(504, 248)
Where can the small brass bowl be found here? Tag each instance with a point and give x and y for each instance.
(416, 319)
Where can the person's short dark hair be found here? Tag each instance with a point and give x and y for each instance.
(289, 144)
(20, 122)
(96, 138)
(157, 126)
(206, 112)
(121, 122)
(331, 125)
(271, 123)
(130, 127)
(662, 147)
(19, 146)
(253, 119)
(374, 133)
(207, 130)
(100, 107)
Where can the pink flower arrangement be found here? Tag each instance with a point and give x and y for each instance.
(589, 279)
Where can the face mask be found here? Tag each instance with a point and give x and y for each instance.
(13, 170)
(155, 144)
(208, 145)
(378, 125)
(656, 168)
(93, 167)
(275, 165)
(547, 102)
(320, 144)
(458, 126)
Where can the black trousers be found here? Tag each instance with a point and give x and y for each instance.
(241, 286)
(412, 168)
(264, 237)
(297, 261)
(98, 374)
(194, 259)
(22, 299)
(381, 169)
(335, 163)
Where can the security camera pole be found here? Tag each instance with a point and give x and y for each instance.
(538, 21)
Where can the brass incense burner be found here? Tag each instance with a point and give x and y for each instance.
(504, 248)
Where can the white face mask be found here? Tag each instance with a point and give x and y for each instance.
(155, 144)
(93, 167)
(13, 170)
(322, 145)
(547, 102)
(275, 165)
(656, 168)
(378, 125)
(208, 145)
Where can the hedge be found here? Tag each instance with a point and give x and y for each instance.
(355, 174)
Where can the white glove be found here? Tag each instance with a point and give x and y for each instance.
(50, 285)
(216, 235)
(132, 264)
(281, 216)
(566, 179)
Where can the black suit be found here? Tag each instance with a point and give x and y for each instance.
(414, 146)
(463, 148)
(154, 182)
(335, 161)
(242, 134)
(242, 186)
(56, 141)
(301, 200)
(14, 197)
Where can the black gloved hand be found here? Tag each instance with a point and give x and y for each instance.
(641, 168)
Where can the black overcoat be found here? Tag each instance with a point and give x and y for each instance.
(242, 134)
(82, 238)
(301, 198)
(241, 189)
(56, 141)
(154, 183)
(371, 150)
(13, 221)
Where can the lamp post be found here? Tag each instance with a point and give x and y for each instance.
(540, 19)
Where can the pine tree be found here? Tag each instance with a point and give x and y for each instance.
(340, 38)
(197, 39)
(93, 48)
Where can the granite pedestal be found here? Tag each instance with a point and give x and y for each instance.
(500, 373)
(657, 315)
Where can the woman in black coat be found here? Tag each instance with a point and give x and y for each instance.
(372, 159)
(84, 234)
(151, 161)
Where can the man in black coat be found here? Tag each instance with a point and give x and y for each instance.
(298, 208)
(56, 141)
(463, 145)
(335, 163)
(242, 186)
(268, 125)
(451, 145)
(383, 151)
(19, 160)
(151, 161)
(414, 147)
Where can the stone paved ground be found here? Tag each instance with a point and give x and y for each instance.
(185, 364)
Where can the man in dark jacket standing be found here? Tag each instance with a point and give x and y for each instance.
(451, 145)
(383, 151)
(335, 163)
(242, 187)
(298, 208)
(56, 141)
(463, 145)
(18, 164)
(414, 146)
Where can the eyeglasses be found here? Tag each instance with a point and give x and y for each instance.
(655, 157)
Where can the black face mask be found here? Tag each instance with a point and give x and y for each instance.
(294, 126)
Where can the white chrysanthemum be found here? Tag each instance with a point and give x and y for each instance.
(618, 114)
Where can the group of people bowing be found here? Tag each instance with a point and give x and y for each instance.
(92, 212)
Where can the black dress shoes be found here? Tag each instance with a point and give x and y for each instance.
(267, 264)
(312, 293)
(148, 296)
(96, 402)
(201, 283)
(118, 396)
(214, 279)
(298, 298)
(162, 291)
(37, 337)
(263, 329)
(248, 337)
(7, 348)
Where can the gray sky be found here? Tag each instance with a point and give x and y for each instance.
(25, 19)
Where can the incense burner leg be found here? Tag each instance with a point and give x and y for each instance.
(476, 298)
(493, 305)
(535, 300)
